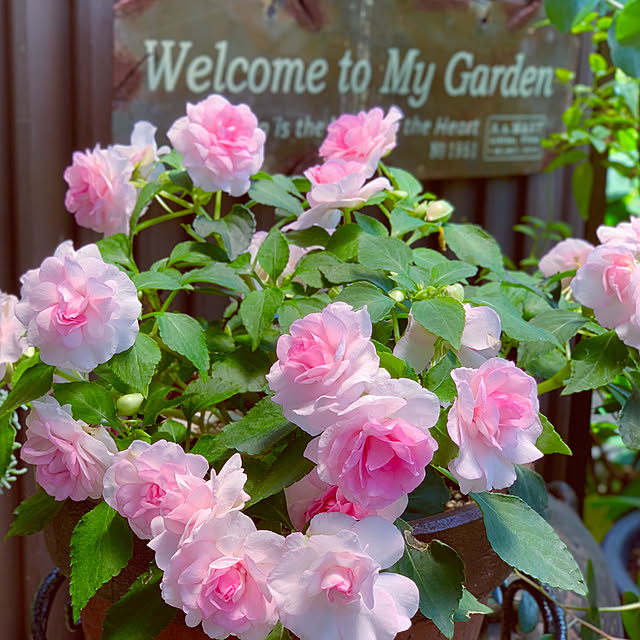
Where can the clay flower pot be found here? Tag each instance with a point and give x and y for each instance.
(461, 528)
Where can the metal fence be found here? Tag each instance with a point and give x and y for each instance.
(55, 96)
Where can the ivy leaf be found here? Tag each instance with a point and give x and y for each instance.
(444, 317)
(34, 383)
(89, 402)
(32, 514)
(136, 365)
(273, 254)
(101, 546)
(258, 309)
(391, 254)
(474, 245)
(183, 334)
(141, 613)
(525, 540)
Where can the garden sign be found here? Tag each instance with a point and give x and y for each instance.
(475, 79)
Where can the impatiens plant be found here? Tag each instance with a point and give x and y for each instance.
(372, 356)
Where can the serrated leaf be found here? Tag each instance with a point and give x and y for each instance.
(444, 317)
(530, 487)
(296, 308)
(549, 441)
(89, 402)
(34, 383)
(370, 226)
(405, 181)
(184, 335)
(363, 294)
(451, 272)
(32, 514)
(595, 362)
(273, 254)
(469, 604)
(167, 280)
(145, 196)
(136, 365)
(101, 546)
(345, 241)
(171, 431)
(258, 309)
(390, 254)
(201, 394)
(236, 229)
(141, 613)
(402, 222)
(629, 420)
(211, 447)
(192, 253)
(219, 274)
(274, 195)
(525, 540)
(474, 245)
(428, 498)
(429, 565)
(439, 378)
(115, 249)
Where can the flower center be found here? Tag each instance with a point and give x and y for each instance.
(70, 312)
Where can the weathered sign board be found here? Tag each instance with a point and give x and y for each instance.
(474, 78)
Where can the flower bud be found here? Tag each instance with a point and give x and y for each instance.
(438, 209)
(129, 403)
(420, 211)
(454, 291)
(396, 294)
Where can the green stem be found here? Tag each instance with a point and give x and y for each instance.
(68, 376)
(218, 208)
(347, 216)
(556, 381)
(396, 326)
(153, 221)
(169, 300)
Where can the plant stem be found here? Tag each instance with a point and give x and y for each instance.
(615, 4)
(554, 382)
(169, 216)
(216, 211)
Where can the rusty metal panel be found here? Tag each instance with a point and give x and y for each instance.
(475, 80)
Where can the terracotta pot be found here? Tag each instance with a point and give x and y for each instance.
(460, 528)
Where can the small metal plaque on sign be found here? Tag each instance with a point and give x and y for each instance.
(475, 79)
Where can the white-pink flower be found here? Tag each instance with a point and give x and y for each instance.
(71, 458)
(364, 138)
(335, 185)
(567, 255)
(609, 283)
(494, 420)
(150, 480)
(221, 144)
(328, 357)
(329, 584)
(480, 339)
(310, 496)
(376, 450)
(12, 332)
(218, 577)
(143, 151)
(100, 194)
(221, 494)
(623, 233)
(78, 310)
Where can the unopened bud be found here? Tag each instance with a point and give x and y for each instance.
(396, 294)
(129, 403)
(454, 291)
(438, 209)
(420, 211)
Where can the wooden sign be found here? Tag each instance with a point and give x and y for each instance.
(475, 79)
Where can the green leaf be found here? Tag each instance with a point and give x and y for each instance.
(564, 14)
(32, 514)
(370, 225)
(136, 365)
(296, 308)
(279, 633)
(219, 274)
(582, 182)
(141, 613)
(201, 394)
(595, 362)
(561, 323)
(7, 440)
(211, 447)
(269, 193)
(171, 431)
(469, 604)
(258, 310)
(101, 546)
(313, 236)
(184, 335)
(631, 619)
(390, 254)
(434, 564)
(428, 498)
(573, 156)
(626, 58)
(168, 280)
(273, 254)
(629, 420)
(405, 181)
(402, 222)
(192, 253)
(473, 244)
(345, 241)
(444, 317)
(525, 540)
(115, 249)
(145, 196)
(439, 378)
(529, 486)
(362, 294)
(89, 401)
(549, 441)
(628, 25)
(262, 426)
(34, 383)
(236, 229)
(450, 272)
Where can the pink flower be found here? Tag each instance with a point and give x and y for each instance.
(329, 584)
(78, 310)
(100, 194)
(218, 577)
(609, 283)
(480, 340)
(376, 450)
(310, 496)
(623, 233)
(221, 494)
(221, 144)
(364, 137)
(335, 185)
(143, 151)
(70, 457)
(150, 480)
(495, 422)
(12, 340)
(565, 256)
(328, 357)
